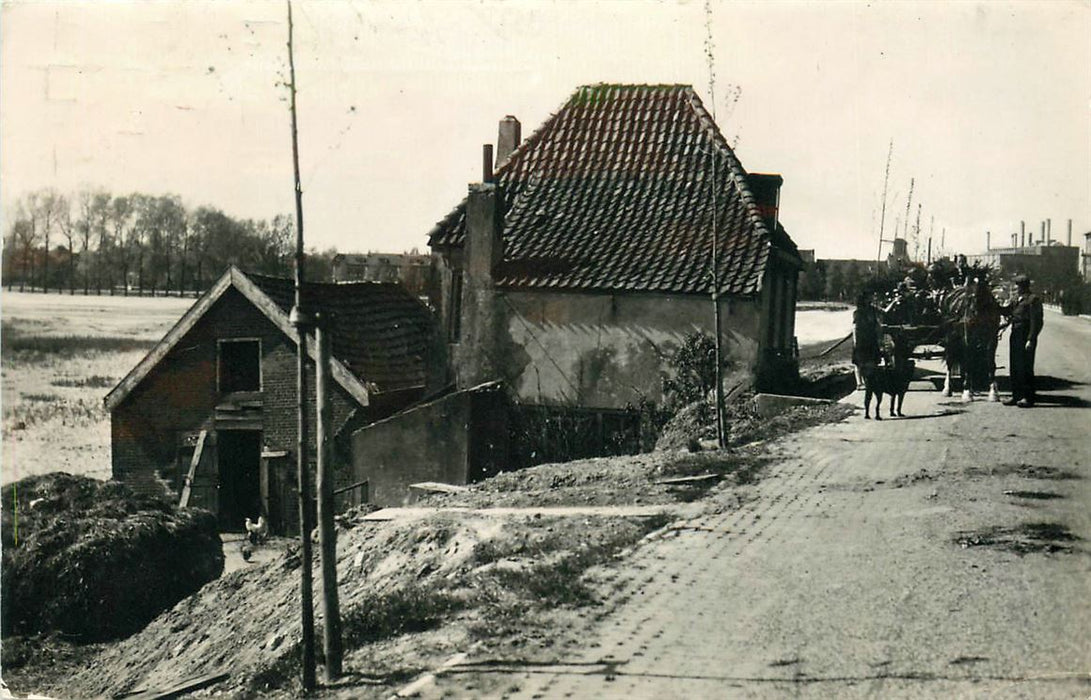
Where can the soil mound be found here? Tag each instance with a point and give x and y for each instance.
(93, 560)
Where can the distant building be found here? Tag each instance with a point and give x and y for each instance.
(1085, 263)
(413, 270)
(897, 258)
(1049, 265)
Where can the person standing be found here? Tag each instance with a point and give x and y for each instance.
(1026, 315)
(866, 333)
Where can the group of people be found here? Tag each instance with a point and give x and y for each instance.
(1026, 316)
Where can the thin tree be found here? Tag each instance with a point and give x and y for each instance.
(102, 208)
(27, 235)
(908, 204)
(50, 206)
(68, 229)
(882, 215)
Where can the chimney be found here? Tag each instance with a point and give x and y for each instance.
(1049, 231)
(988, 237)
(486, 163)
(766, 191)
(1022, 234)
(1042, 238)
(1069, 243)
(484, 246)
(508, 138)
(481, 322)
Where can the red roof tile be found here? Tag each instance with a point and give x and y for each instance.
(615, 192)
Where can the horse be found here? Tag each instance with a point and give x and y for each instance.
(970, 333)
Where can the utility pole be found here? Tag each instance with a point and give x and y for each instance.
(303, 322)
(721, 426)
(327, 534)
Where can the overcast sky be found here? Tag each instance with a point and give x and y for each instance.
(988, 105)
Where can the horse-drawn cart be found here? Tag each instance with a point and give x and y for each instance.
(907, 339)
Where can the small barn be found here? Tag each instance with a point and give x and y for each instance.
(211, 411)
(591, 249)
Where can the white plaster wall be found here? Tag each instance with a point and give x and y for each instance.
(609, 351)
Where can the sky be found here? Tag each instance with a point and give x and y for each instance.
(986, 106)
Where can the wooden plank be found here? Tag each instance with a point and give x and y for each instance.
(831, 348)
(437, 487)
(350, 487)
(187, 487)
(690, 479)
(188, 686)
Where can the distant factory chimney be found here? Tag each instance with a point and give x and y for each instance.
(988, 241)
(1049, 231)
(1069, 240)
(1022, 234)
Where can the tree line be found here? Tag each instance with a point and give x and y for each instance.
(96, 242)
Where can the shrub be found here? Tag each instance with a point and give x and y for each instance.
(692, 371)
(94, 560)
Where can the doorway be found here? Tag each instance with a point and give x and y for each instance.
(239, 467)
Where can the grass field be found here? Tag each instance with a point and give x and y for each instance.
(59, 356)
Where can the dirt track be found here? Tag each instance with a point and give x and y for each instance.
(947, 554)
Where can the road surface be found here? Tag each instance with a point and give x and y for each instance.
(945, 554)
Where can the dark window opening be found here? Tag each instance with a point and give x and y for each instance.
(240, 365)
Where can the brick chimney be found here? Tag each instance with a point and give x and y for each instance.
(477, 359)
(766, 191)
(508, 138)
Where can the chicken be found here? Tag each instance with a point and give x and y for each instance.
(257, 532)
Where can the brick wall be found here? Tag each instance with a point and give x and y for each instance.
(179, 396)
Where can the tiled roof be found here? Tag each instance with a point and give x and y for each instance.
(380, 332)
(615, 192)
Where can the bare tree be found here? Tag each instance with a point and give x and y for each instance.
(51, 206)
(121, 220)
(90, 221)
(25, 233)
(68, 229)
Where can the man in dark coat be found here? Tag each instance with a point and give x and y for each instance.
(1026, 315)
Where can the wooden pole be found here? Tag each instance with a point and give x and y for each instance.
(327, 535)
(302, 322)
(721, 423)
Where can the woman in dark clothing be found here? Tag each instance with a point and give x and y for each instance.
(866, 333)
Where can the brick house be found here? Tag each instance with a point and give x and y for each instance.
(574, 271)
(214, 402)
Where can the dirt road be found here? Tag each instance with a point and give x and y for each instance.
(945, 554)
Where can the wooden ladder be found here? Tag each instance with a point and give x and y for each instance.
(187, 486)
